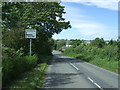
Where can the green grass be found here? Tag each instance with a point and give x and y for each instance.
(13, 67)
(105, 63)
(30, 80)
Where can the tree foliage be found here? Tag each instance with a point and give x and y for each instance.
(60, 43)
(98, 42)
(118, 51)
(112, 42)
(76, 42)
(45, 17)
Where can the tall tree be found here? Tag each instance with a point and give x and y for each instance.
(76, 42)
(98, 42)
(45, 17)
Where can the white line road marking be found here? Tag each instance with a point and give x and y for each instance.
(98, 86)
(90, 79)
(74, 66)
(95, 83)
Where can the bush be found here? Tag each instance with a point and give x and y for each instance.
(9, 52)
(86, 58)
(79, 56)
(79, 49)
(89, 52)
(45, 58)
(69, 50)
(12, 67)
(106, 57)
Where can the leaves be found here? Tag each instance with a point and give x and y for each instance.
(45, 17)
(98, 42)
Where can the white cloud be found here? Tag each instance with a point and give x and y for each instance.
(83, 26)
(73, 12)
(91, 28)
(82, 23)
(109, 4)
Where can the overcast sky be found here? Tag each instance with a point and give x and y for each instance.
(96, 18)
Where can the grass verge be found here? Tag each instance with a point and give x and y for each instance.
(100, 62)
(32, 79)
(29, 80)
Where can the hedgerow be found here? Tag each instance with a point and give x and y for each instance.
(13, 64)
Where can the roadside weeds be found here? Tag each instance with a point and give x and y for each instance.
(32, 79)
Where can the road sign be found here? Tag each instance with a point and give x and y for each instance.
(30, 33)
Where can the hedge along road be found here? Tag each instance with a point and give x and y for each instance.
(67, 72)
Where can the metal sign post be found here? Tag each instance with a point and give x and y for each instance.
(30, 46)
(31, 34)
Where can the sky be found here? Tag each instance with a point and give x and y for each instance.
(90, 19)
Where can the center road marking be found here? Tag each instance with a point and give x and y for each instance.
(88, 78)
(95, 83)
(74, 66)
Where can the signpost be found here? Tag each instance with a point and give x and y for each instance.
(31, 34)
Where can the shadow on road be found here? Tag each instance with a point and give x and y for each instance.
(64, 59)
(55, 79)
(59, 79)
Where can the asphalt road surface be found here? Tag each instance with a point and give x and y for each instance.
(67, 72)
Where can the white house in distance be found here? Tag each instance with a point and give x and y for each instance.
(68, 45)
(65, 47)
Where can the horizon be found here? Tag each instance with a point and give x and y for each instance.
(85, 39)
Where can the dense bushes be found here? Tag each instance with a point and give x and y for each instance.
(83, 52)
(15, 64)
(17, 18)
(59, 44)
(106, 56)
(98, 42)
(118, 44)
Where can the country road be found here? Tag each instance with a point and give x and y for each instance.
(67, 72)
